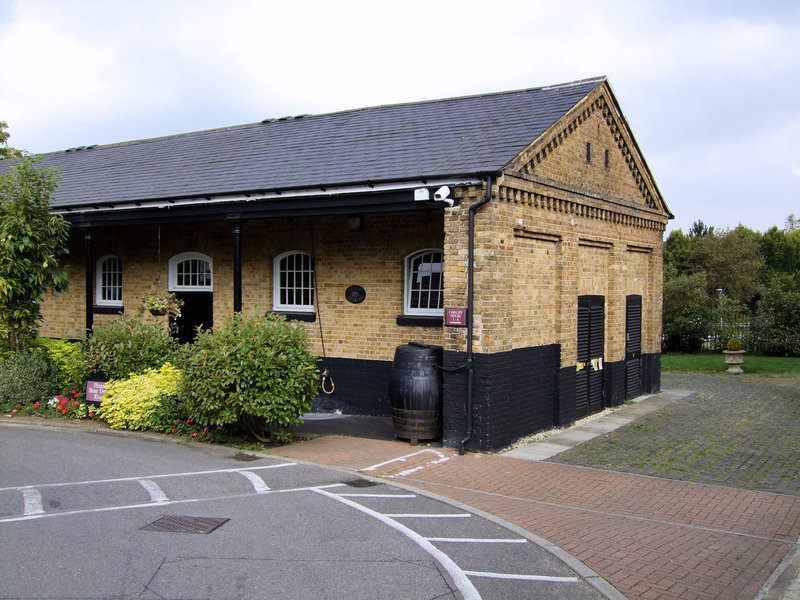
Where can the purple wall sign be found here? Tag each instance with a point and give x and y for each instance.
(455, 317)
(95, 391)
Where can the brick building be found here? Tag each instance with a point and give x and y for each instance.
(325, 219)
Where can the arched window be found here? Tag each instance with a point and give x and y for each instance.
(293, 282)
(190, 272)
(424, 282)
(108, 288)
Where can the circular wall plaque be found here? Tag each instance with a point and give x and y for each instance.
(355, 294)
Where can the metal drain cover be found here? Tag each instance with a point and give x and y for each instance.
(177, 524)
(361, 483)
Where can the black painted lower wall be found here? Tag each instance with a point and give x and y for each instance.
(361, 387)
(516, 393)
(651, 373)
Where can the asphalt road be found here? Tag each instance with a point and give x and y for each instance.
(91, 514)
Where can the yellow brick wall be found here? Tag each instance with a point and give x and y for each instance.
(372, 258)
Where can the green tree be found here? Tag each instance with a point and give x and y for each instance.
(687, 316)
(5, 150)
(781, 250)
(32, 243)
(731, 260)
(778, 318)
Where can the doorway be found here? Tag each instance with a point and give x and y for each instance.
(191, 279)
(589, 370)
(633, 346)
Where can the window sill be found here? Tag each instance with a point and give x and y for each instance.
(108, 310)
(307, 317)
(419, 321)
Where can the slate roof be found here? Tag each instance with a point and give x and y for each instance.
(424, 140)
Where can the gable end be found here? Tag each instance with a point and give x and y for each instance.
(599, 107)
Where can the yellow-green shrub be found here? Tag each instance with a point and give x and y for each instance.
(141, 401)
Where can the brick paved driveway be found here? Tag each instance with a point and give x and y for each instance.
(651, 537)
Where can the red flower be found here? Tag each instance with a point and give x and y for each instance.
(194, 434)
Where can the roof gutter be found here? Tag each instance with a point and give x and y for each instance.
(470, 306)
(244, 198)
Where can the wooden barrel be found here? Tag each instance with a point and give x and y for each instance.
(415, 392)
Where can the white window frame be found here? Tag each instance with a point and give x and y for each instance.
(176, 260)
(277, 305)
(99, 281)
(408, 284)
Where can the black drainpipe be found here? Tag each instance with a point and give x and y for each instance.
(470, 301)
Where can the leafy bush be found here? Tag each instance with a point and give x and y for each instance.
(778, 319)
(256, 371)
(144, 401)
(686, 328)
(127, 346)
(71, 362)
(734, 345)
(27, 377)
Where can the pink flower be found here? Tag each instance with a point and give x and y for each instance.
(188, 420)
(14, 410)
(36, 405)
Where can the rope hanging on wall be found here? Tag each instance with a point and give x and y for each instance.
(326, 374)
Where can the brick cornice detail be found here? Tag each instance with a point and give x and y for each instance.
(580, 207)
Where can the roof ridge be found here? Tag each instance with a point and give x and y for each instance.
(271, 120)
(597, 79)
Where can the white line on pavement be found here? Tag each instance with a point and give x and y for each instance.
(157, 495)
(427, 516)
(31, 501)
(259, 485)
(85, 511)
(479, 540)
(522, 577)
(118, 479)
(468, 590)
(379, 495)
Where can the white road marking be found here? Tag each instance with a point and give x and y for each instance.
(379, 495)
(31, 501)
(479, 540)
(85, 511)
(162, 476)
(459, 577)
(157, 495)
(259, 485)
(442, 458)
(428, 516)
(522, 577)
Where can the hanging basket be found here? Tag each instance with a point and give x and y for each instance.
(158, 312)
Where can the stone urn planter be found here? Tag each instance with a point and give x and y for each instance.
(734, 356)
(734, 359)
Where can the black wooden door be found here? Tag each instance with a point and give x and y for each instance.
(633, 346)
(589, 370)
(197, 311)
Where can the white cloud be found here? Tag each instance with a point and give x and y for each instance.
(709, 88)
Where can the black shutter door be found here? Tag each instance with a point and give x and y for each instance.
(633, 346)
(582, 368)
(596, 347)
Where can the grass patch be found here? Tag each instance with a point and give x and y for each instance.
(708, 362)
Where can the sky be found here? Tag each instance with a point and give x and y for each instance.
(710, 89)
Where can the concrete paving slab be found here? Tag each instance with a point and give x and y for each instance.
(538, 451)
